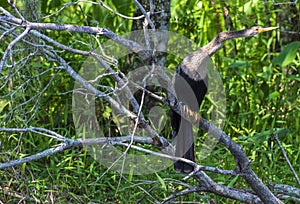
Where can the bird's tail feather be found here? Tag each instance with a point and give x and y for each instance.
(184, 142)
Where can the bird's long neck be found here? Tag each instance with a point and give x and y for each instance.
(213, 46)
(194, 65)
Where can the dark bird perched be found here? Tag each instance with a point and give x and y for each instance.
(190, 84)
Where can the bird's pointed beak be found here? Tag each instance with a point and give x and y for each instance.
(261, 30)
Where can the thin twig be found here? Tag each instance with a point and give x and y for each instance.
(119, 14)
(145, 14)
(10, 46)
(287, 159)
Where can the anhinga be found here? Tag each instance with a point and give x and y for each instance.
(191, 76)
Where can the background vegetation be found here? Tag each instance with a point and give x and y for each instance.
(262, 91)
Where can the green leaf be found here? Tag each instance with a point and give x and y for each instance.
(3, 104)
(288, 54)
(238, 64)
(23, 168)
(233, 181)
(162, 182)
(274, 95)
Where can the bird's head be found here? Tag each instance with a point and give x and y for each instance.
(257, 29)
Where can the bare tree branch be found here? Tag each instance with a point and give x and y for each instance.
(13, 28)
(69, 143)
(287, 159)
(10, 46)
(132, 45)
(119, 14)
(145, 14)
(286, 190)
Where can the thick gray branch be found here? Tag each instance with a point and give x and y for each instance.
(132, 45)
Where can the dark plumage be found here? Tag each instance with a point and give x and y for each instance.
(190, 84)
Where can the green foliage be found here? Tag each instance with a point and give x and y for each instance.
(288, 54)
(262, 91)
